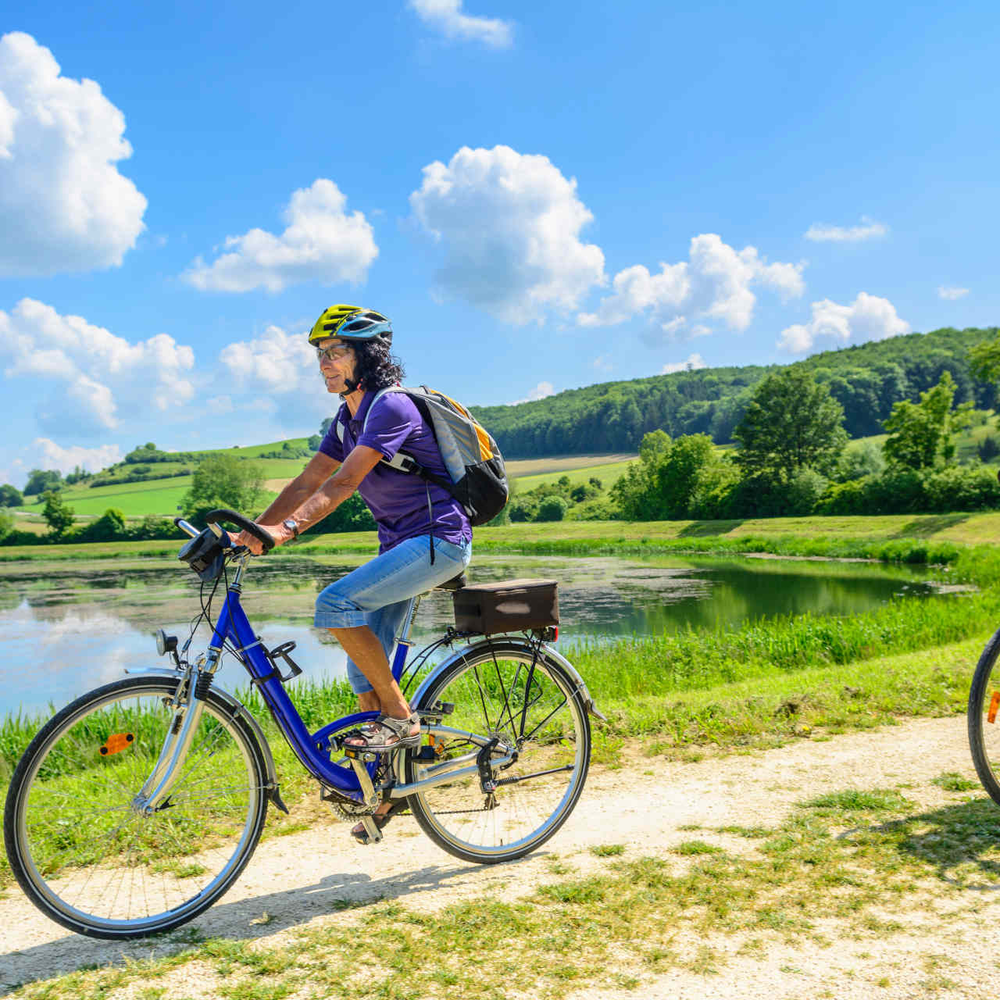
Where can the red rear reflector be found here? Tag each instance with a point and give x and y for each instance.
(555, 632)
(994, 705)
(116, 742)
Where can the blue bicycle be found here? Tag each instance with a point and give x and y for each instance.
(137, 806)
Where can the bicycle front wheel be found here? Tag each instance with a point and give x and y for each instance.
(529, 704)
(93, 862)
(984, 718)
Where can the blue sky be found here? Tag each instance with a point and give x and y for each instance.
(539, 195)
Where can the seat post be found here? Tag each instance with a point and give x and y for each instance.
(411, 613)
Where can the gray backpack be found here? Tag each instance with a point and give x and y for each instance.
(477, 478)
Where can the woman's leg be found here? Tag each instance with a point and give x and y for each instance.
(365, 648)
(346, 608)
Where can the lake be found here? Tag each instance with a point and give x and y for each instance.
(67, 627)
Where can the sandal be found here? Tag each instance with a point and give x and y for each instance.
(386, 733)
(360, 834)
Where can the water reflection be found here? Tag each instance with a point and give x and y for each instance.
(67, 628)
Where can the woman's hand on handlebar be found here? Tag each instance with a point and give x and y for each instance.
(278, 532)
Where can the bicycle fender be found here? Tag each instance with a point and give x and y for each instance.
(498, 642)
(238, 710)
(588, 699)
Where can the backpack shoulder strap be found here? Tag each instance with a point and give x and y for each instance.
(378, 396)
(339, 424)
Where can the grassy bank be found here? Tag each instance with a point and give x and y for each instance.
(891, 538)
(657, 686)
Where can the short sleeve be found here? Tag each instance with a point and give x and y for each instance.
(331, 445)
(390, 422)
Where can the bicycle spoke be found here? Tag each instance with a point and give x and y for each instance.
(89, 860)
(518, 699)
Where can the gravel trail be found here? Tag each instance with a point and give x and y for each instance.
(300, 879)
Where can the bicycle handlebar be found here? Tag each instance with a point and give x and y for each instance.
(224, 514)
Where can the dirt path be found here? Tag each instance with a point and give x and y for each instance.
(299, 879)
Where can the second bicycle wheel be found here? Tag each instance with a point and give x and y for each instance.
(984, 718)
(530, 705)
(93, 862)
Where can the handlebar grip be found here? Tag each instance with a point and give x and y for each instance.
(188, 529)
(225, 514)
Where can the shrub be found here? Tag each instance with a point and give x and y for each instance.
(552, 508)
(844, 498)
(523, 508)
(804, 490)
(962, 488)
(10, 496)
(109, 527)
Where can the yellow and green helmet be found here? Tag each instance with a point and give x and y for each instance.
(351, 323)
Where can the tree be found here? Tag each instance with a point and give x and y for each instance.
(984, 360)
(634, 492)
(223, 480)
(679, 473)
(40, 480)
(10, 496)
(920, 433)
(57, 514)
(791, 423)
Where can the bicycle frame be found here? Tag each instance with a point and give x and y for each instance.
(312, 749)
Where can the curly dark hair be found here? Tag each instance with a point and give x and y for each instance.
(374, 366)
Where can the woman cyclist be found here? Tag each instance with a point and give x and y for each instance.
(424, 534)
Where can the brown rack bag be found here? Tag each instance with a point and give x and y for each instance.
(509, 606)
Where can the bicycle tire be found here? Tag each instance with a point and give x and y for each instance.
(984, 735)
(97, 866)
(508, 678)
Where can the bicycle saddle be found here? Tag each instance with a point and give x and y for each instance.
(455, 583)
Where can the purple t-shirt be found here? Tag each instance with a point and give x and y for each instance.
(398, 500)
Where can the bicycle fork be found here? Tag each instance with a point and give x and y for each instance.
(187, 705)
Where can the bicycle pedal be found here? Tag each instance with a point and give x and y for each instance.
(372, 829)
(358, 753)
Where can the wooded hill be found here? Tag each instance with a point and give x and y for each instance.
(613, 416)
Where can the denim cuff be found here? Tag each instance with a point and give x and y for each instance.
(339, 619)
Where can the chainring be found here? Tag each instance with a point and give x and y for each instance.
(345, 810)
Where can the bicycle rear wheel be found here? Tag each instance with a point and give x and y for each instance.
(530, 705)
(92, 862)
(984, 718)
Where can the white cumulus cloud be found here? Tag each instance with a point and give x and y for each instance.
(50, 455)
(63, 204)
(88, 379)
(509, 226)
(868, 230)
(540, 391)
(692, 362)
(867, 318)
(278, 371)
(713, 284)
(951, 292)
(321, 242)
(448, 17)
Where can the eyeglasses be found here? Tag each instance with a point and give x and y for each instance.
(332, 353)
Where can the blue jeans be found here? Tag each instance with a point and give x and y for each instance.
(376, 594)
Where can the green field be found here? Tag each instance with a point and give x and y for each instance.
(164, 496)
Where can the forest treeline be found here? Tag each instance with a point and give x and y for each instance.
(866, 379)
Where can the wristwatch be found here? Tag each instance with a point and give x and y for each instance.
(291, 526)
